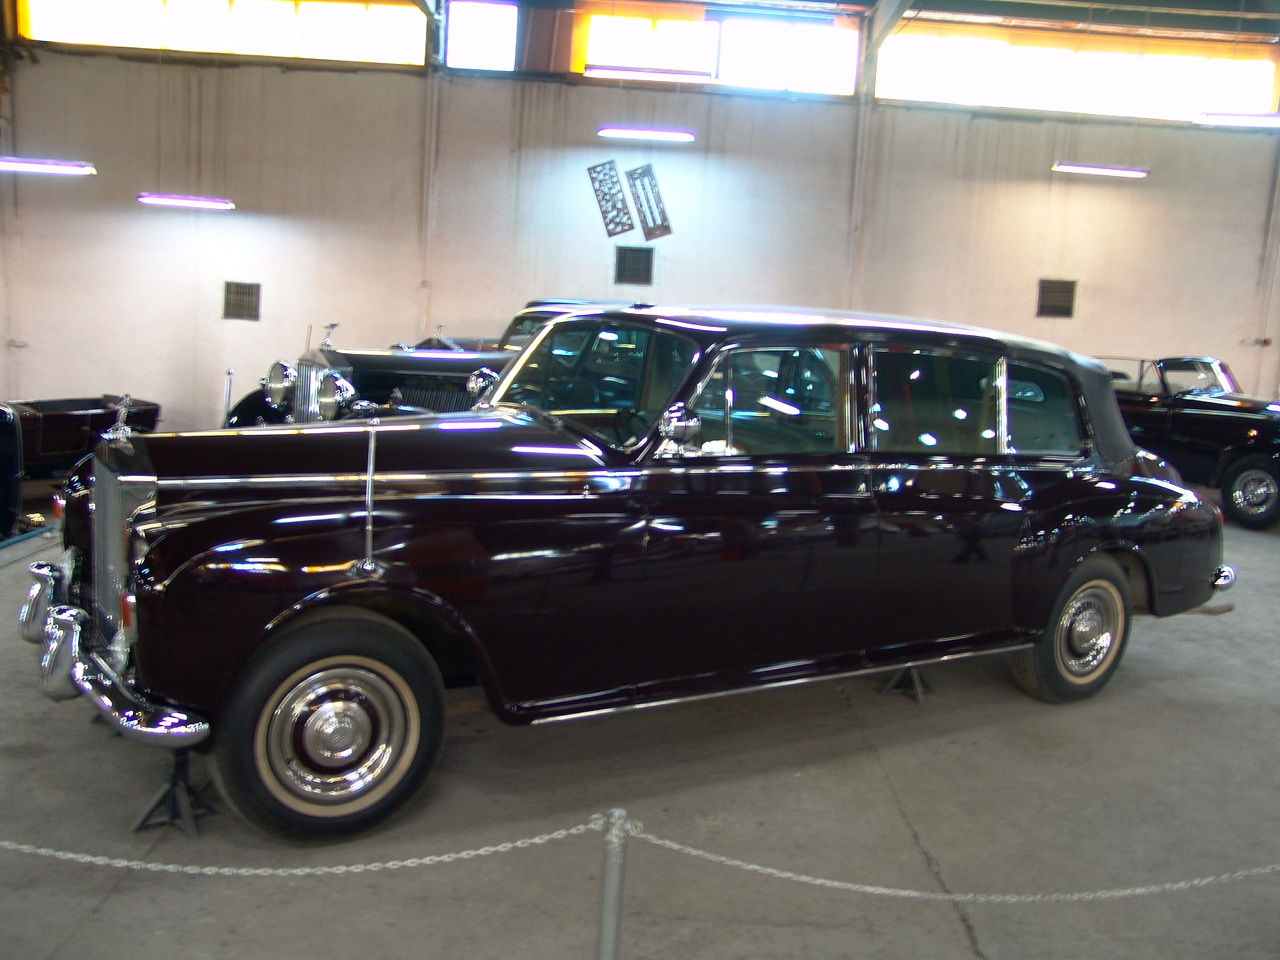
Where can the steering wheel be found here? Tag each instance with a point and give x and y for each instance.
(629, 425)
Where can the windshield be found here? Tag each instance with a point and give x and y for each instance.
(521, 331)
(609, 378)
(1209, 378)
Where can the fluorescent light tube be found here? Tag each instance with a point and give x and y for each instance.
(64, 168)
(190, 203)
(1093, 170)
(646, 133)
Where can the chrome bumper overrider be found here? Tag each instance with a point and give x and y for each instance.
(1223, 577)
(67, 670)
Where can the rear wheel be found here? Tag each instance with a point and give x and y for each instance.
(1251, 492)
(330, 728)
(1085, 637)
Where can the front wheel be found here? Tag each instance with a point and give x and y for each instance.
(1251, 492)
(331, 727)
(1085, 638)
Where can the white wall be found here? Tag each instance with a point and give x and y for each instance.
(112, 296)
(393, 202)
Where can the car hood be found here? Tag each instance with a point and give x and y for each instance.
(409, 362)
(1230, 403)
(336, 456)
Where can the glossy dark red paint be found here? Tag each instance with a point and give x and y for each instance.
(571, 576)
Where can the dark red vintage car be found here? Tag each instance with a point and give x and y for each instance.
(650, 505)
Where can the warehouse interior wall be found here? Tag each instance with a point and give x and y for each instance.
(395, 203)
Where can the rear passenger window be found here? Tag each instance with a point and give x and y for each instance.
(934, 402)
(1042, 412)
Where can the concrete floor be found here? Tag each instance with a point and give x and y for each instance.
(1169, 775)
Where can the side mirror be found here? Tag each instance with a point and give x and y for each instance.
(478, 383)
(677, 427)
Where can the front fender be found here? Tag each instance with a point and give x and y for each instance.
(255, 410)
(206, 602)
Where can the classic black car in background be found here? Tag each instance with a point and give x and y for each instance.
(434, 375)
(652, 504)
(1190, 411)
(45, 438)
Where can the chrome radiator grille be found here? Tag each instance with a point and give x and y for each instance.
(109, 561)
(306, 392)
(437, 398)
(115, 504)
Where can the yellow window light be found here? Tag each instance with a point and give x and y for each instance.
(331, 31)
(198, 25)
(391, 31)
(758, 53)
(1103, 76)
(263, 28)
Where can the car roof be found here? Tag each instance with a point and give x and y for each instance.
(715, 322)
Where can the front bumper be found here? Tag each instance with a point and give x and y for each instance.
(68, 668)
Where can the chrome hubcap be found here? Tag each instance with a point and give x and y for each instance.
(335, 734)
(1255, 492)
(1088, 627)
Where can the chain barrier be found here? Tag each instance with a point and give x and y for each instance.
(637, 831)
(600, 823)
(596, 823)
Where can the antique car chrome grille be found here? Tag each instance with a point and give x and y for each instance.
(436, 398)
(306, 392)
(114, 505)
(109, 560)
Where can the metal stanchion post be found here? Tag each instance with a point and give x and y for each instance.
(615, 862)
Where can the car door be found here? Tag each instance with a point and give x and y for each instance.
(1203, 422)
(949, 509)
(762, 529)
(1147, 407)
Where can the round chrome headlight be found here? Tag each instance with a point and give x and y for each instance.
(335, 396)
(279, 383)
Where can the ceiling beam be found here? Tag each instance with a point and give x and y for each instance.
(884, 17)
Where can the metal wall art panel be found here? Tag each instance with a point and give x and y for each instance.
(648, 200)
(612, 201)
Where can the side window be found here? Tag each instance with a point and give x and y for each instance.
(1149, 380)
(1042, 412)
(933, 401)
(774, 401)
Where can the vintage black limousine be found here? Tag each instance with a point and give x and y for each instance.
(650, 505)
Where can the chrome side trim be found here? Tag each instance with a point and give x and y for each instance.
(67, 670)
(574, 476)
(797, 681)
(1224, 577)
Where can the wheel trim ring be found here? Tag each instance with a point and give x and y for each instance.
(1089, 631)
(1255, 492)
(389, 774)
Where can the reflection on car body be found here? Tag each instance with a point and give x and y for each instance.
(1190, 411)
(650, 505)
